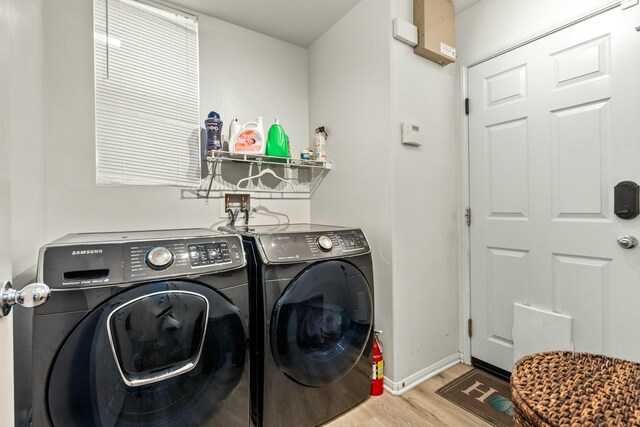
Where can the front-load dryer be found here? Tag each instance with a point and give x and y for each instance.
(311, 321)
(142, 329)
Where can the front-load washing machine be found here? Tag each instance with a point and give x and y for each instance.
(142, 329)
(311, 321)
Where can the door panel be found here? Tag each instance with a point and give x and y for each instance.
(574, 276)
(553, 127)
(579, 170)
(145, 333)
(320, 325)
(509, 180)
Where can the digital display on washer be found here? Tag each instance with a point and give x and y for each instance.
(352, 240)
(209, 254)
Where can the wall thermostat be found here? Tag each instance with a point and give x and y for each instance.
(411, 134)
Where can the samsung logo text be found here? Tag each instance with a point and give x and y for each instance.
(87, 252)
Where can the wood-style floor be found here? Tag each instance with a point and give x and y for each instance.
(420, 406)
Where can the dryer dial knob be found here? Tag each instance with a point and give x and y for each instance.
(159, 258)
(324, 243)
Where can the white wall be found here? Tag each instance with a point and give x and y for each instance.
(6, 326)
(492, 25)
(47, 138)
(425, 240)
(245, 74)
(22, 183)
(349, 92)
(28, 130)
(362, 84)
(242, 74)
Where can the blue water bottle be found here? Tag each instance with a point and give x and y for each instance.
(213, 124)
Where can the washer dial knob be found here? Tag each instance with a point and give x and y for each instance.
(324, 243)
(159, 258)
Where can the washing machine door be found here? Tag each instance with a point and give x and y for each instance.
(162, 354)
(321, 323)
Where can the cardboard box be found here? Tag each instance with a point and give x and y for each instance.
(435, 20)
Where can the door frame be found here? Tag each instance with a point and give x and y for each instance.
(464, 249)
(6, 323)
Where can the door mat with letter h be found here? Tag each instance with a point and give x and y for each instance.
(483, 395)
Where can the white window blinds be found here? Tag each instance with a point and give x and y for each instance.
(147, 94)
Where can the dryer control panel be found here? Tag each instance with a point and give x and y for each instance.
(102, 264)
(296, 247)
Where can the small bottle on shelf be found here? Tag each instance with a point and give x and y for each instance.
(320, 145)
(213, 124)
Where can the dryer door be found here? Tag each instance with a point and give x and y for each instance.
(161, 354)
(321, 323)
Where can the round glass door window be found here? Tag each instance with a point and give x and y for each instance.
(321, 323)
(162, 354)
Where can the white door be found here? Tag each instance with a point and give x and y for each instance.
(6, 325)
(553, 127)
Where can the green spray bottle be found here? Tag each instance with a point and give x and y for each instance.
(277, 141)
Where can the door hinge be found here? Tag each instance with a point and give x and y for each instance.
(470, 327)
(466, 106)
(468, 216)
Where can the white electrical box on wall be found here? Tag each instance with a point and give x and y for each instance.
(411, 134)
(405, 32)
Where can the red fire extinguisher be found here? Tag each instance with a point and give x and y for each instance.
(377, 373)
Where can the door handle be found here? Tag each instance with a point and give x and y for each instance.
(627, 241)
(30, 296)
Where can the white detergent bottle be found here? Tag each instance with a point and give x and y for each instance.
(234, 130)
(249, 139)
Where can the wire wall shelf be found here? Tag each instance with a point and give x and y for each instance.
(245, 173)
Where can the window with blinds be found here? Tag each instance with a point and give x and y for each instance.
(147, 94)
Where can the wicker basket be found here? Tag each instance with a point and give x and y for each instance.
(575, 389)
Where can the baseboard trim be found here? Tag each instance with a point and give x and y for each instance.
(398, 388)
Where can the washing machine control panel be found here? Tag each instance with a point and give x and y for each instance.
(103, 264)
(296, 247)
(157, 259)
